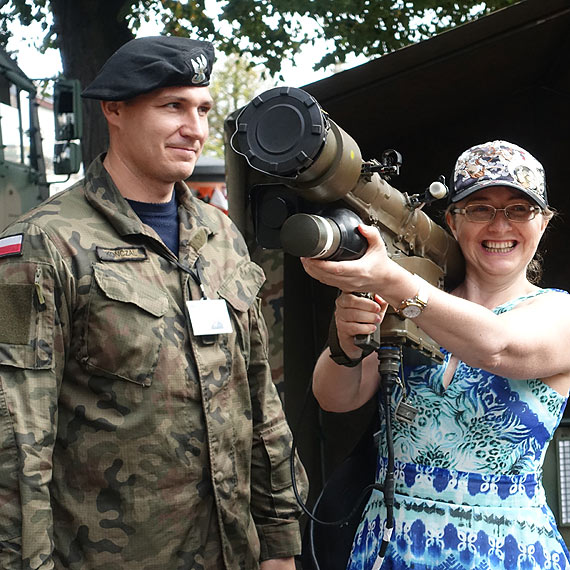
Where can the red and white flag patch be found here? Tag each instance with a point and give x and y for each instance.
(11, 245)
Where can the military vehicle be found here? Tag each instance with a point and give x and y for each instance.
(23, 180)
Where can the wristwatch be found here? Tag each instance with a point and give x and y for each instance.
(413, 307)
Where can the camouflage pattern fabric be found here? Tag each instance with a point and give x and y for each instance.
(125, 441)
(272, 303)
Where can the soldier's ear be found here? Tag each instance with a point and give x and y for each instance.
(111, 110)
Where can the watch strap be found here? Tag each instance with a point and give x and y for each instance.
(337, 354)
(419, 300)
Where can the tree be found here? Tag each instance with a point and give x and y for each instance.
(270, 31)
(234, 83)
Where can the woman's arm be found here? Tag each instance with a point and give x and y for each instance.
(340, 388)
(529, 341)
(278, 564)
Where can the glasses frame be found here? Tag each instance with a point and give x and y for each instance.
(534, 210)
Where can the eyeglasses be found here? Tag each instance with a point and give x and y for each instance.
(482, 213)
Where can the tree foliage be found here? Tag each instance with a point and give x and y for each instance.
(268, 31)
(234, 83)
(273, 30)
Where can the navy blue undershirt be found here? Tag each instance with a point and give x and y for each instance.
(162, 218)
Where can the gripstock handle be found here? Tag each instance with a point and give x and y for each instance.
(367, 342)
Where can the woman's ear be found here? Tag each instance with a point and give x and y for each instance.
(450, 219)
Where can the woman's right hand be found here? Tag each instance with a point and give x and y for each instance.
(356, 315)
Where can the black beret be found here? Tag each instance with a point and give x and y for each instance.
(145, 64)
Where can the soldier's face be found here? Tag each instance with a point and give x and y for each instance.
(161, 134)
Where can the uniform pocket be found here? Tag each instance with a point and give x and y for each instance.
(242, 286)
(124, 325)
(240, 290)
(276, 441)
(27, 316)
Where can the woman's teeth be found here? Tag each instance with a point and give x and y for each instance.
(499, 246)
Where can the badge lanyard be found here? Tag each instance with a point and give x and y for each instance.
(207, 316)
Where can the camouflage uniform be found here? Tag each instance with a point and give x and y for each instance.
(126, 441)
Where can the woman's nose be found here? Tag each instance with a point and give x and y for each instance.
(500, 219)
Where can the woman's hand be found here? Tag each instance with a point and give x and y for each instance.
(361, 275)
(341, 388)
(355, 315)
(278, 564)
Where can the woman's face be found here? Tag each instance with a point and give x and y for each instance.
(501, 247)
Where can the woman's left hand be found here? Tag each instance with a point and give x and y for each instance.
(363, 275)
(278, 564)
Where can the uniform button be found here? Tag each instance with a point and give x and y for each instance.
(218, 477)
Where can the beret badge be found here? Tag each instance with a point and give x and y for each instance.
(200, 66)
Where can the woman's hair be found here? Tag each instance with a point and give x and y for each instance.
(534, 268)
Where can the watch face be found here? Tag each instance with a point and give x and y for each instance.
(411, 311)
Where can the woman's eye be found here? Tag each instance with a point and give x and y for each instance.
(479, 208)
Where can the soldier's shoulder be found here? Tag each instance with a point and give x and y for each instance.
(66, 204)
(215, 218)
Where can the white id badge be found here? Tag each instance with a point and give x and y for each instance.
(209, 316)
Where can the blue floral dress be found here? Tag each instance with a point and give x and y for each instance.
(468, 476)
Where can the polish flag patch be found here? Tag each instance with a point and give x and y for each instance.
(11, 245)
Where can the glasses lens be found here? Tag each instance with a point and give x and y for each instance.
(520, 212)
(480, 212)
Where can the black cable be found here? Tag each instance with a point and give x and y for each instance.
(314, 559)
(361, 498)
(388, 382)
(391, 356)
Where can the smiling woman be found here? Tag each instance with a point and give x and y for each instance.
(518, 182)
(467, 462)
(513, 229)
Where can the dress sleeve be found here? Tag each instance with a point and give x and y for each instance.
(31, 362)
(273, 503)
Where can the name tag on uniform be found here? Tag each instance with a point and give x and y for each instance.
(209, 316)
(121, 253)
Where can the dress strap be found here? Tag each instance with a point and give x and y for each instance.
(514, 302)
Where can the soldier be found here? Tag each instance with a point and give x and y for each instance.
(140, 428)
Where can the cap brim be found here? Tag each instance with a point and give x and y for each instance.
(457, 197)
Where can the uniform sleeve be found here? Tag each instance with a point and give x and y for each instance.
(31, 362)
(273, 503)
